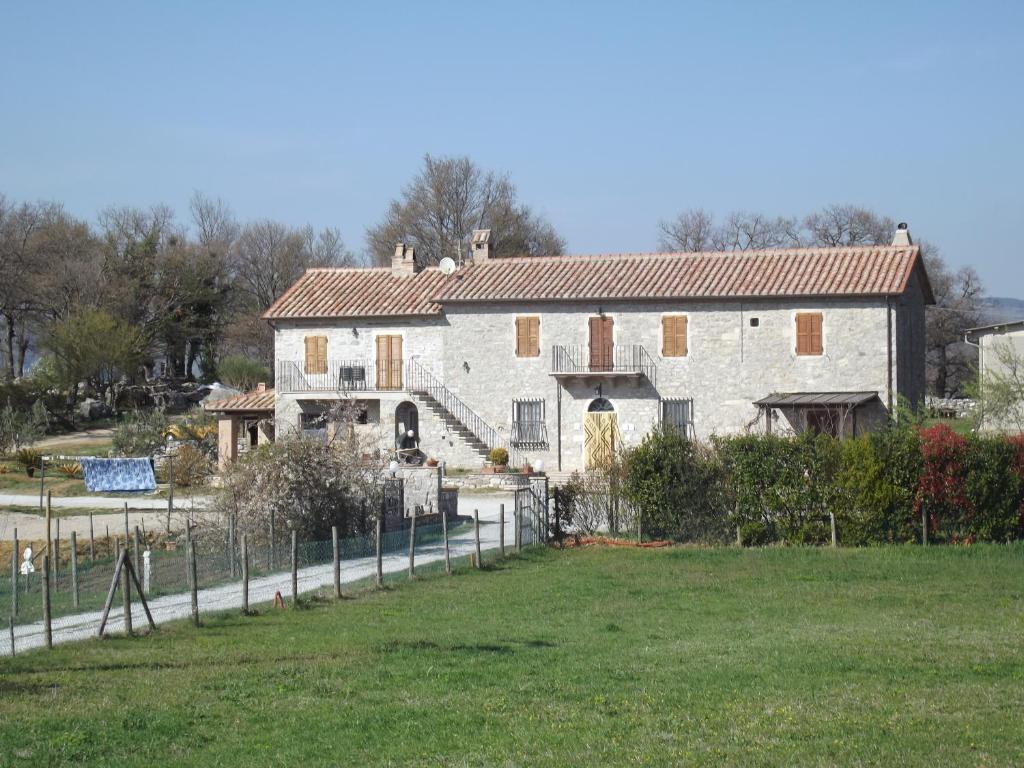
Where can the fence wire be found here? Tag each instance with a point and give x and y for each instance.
(164, 573)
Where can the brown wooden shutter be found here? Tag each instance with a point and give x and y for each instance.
(534, 334)
(527, 336)
(520, 337)
(808, 333)
(673, 333)
(316, 354)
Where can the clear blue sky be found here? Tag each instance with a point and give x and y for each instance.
(608, 117)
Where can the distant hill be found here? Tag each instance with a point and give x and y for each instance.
(1000, 309)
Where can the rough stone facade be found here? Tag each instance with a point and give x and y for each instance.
(738, 352)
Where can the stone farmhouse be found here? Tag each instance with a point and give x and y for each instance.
(565, 359)
(1000, 350)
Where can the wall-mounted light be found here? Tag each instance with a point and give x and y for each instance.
(600, 312)
(393, 468)
(599, 391)
(355, 332)
(465, 366)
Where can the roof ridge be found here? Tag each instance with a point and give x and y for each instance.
(793, 251)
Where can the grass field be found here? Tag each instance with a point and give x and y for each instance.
(887, 656)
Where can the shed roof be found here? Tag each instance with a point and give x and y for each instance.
(260, 401)
(816, 399)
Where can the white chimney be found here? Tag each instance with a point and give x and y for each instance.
(902, 237)
(481, 245)
(404, 260)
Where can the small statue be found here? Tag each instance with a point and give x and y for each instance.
(26, 563)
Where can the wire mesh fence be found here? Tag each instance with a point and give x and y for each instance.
(77, 595)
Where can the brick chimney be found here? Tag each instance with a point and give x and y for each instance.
(902, 237)
(481, 246)
(404, 260)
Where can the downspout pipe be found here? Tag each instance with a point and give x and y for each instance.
(888, 320)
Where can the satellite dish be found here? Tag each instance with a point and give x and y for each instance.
(448, 265)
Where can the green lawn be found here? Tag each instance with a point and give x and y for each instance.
(887, 656)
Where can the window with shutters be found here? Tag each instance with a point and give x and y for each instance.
(316, 354)
(673, 336)
(528, 425)
(808, 333)
(676, 414)
(527, 337)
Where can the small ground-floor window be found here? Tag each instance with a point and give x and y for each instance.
(528, 422)
(676, 414)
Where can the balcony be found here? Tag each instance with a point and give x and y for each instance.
(293, 377)
(617, 360)
(529, 434)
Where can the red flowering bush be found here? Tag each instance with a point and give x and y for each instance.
(942, 487)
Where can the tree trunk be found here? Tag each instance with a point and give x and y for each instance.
(941, 370)
(9, 373)
(23, 345)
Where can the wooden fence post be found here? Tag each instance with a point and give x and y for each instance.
(74, 570)
(138, 550)
(295, 568)
(14, 575)
(231, 543)
(832, 522)
(501, 528)
(92, 540)
(380, 550)
(412, 544)
(56, 560)
(336, 554)
(245, 574)
(739, 537)
(170, 491)
(193, 578)
(49, 533)
(10, 624)
(924, 526)
(444, 533)
(476, 536)
(47, 626)
(126, 589)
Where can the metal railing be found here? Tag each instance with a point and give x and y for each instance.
(340, 376)
(421, 381)
(618, 358)
(525, 433)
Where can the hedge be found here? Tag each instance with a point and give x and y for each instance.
(782, 489)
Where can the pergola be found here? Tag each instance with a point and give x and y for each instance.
(249, 410)
(837, 407)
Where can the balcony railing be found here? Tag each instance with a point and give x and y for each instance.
(340, 376)
(621, 359)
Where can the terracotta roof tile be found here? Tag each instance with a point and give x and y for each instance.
(351, 292)
(796, 272)
(248, 401)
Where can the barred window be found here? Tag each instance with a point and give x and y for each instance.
(677, 414)
(528, 426)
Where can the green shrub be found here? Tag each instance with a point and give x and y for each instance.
(994, 490)
(30, 459)
(242, 372)
(877, 486)
(676, 485)
(498, 457)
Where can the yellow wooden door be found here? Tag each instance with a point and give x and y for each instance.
(389, 362)
(600, 439)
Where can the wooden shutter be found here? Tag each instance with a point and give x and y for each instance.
(316, 354)
(808, 333)
(527, 337)
(673, 333)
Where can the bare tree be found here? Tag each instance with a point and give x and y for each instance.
(692, 231)
(837, 225)
(958, 296)
(214, 222)
(446, 201)
(744, 231)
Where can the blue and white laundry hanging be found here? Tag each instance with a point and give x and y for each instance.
(118, 474)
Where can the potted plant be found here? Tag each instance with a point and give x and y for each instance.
(431, 462)
(499, 459)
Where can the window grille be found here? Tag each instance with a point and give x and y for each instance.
(528, 423)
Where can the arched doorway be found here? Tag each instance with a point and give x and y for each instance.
(600, 434)
(407, 418)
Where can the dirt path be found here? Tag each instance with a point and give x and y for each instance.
(102, 435)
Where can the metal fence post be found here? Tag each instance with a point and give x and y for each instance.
(476, 536)
(74, 570)
(295, 568)
(412, 544)
(231, 544)
(245, 573)
(444, 533)
(832, 522)
(138, 550)
(92, 540)
(47, 626)
(336, 554)
(501, 528)
(194, 581)
(14, 575)
(380, 551)
(518, 525)
(126, 589)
